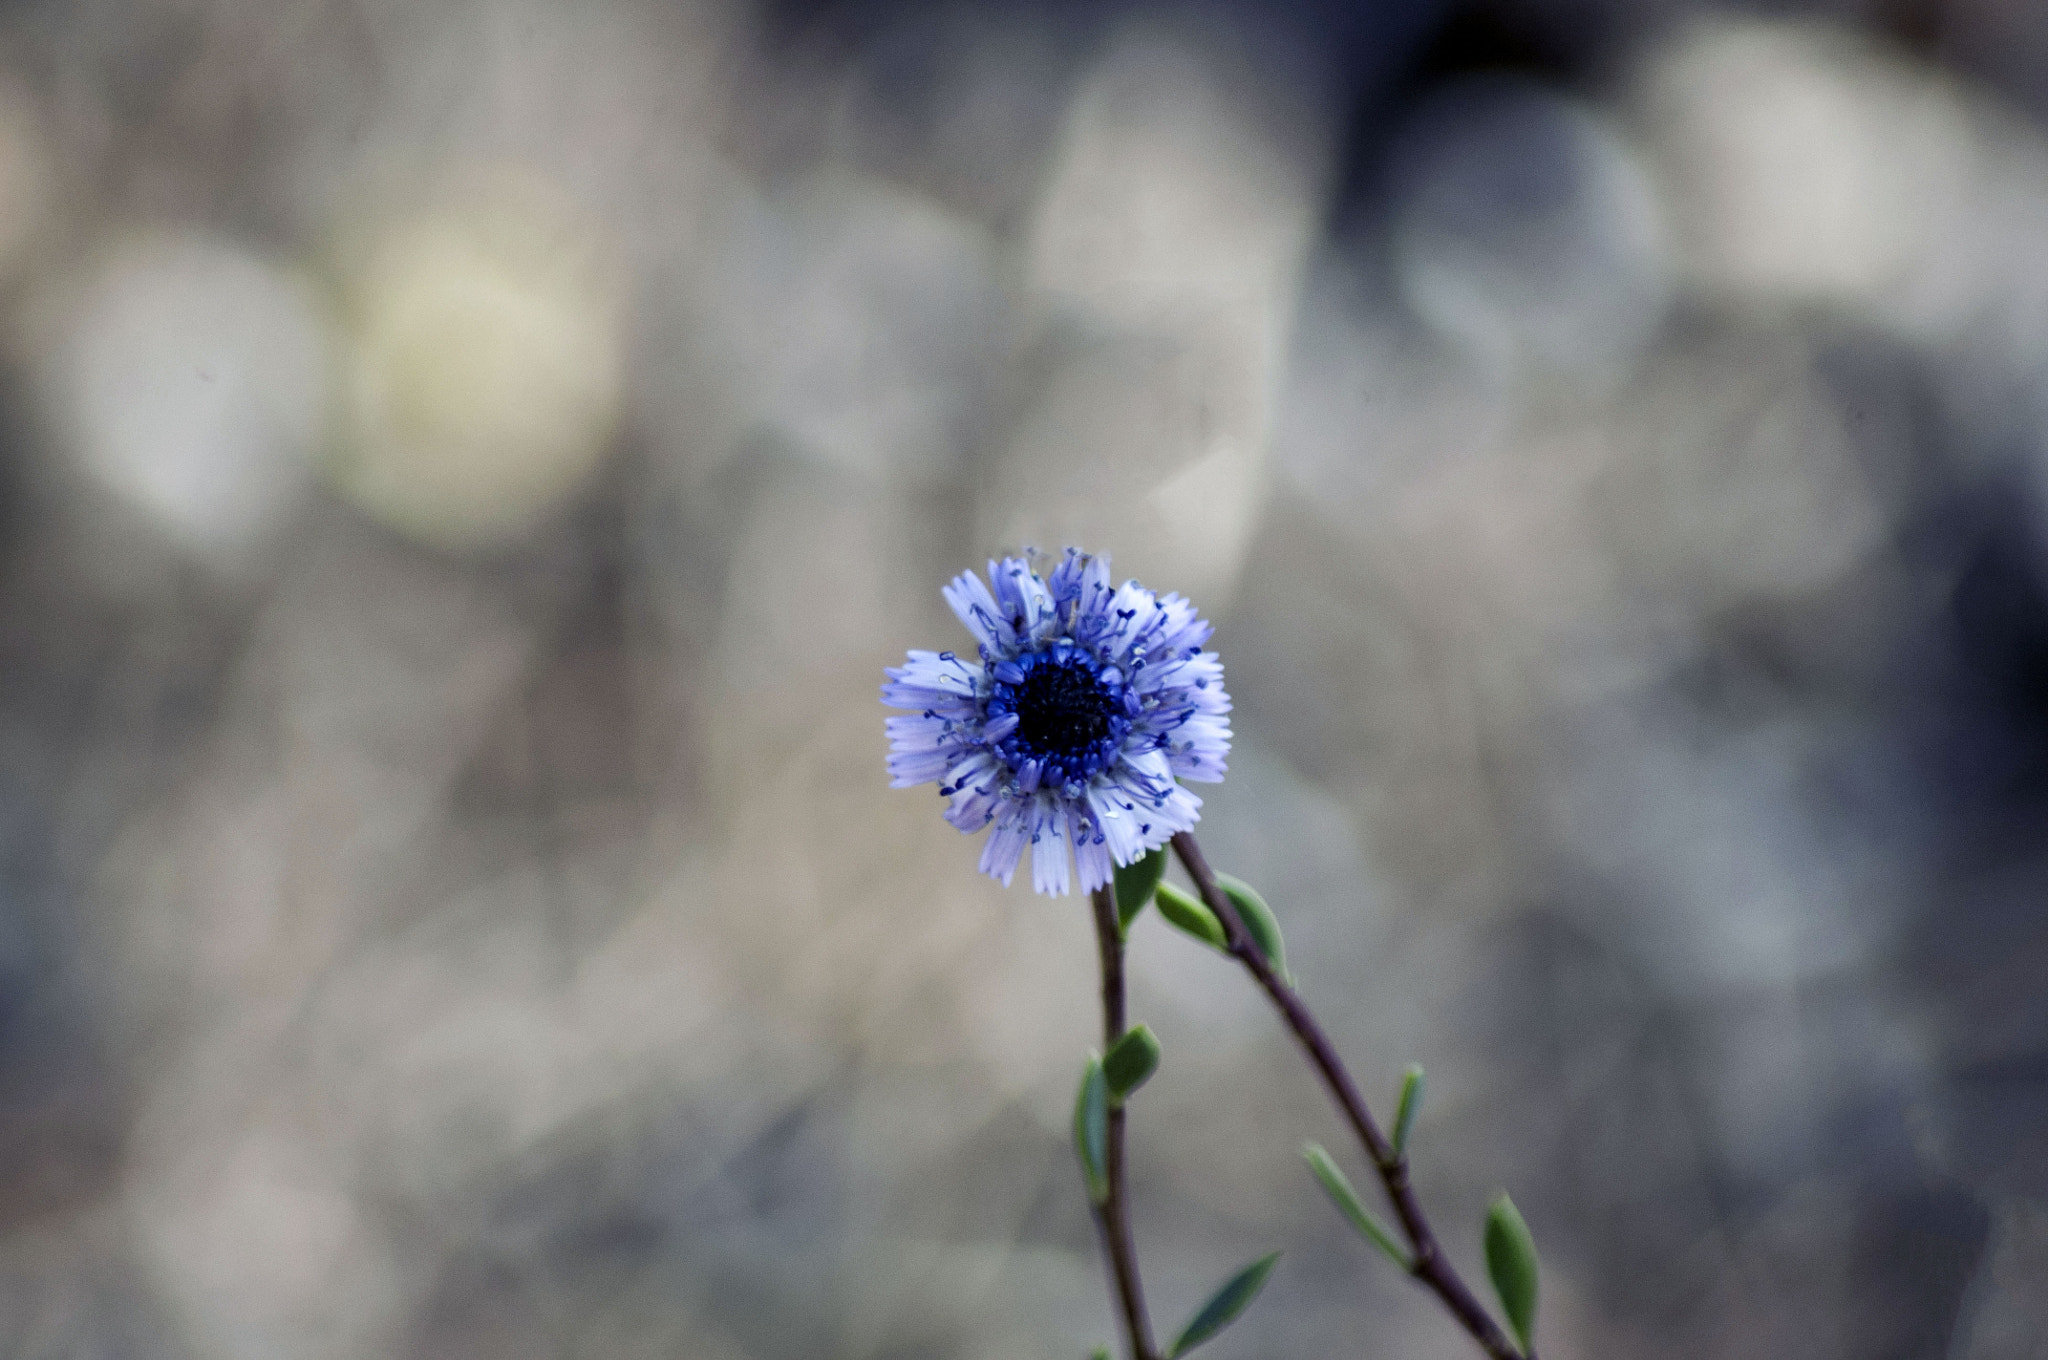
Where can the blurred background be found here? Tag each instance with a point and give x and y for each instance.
(463, 468)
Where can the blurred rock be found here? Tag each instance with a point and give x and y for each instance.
(858, 326)
(1164, 253)
(1526, 231)
(189, 378)
(1804, 162)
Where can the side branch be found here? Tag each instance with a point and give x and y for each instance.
(1113, 1217)
(1430, 1267)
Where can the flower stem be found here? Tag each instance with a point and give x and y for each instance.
(1113, 1217)
(1430, 1265)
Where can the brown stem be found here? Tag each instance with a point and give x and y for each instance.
(1429, 1266)
(1113, 1217)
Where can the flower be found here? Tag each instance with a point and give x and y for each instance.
(1087, 704)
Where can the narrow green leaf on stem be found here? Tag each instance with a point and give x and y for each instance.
(1101, 1353)
(1135, 884)
(1188, 914)
(1346, 1199)
(1411, 1102)
(1224, 1305)
(1511, 1261)
(1130, 1062)
(1259, 920)
(1091, 1129)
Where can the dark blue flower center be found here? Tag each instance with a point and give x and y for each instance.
(1072, 715)
(1062, 709)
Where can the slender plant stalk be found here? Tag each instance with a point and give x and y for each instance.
(1430, 1265)
(1113, 1217)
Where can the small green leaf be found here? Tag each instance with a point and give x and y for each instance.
(1188, 914)
(1224, 1305)
(1135, 884)
(1404, 1113)
(1130, 1062)
(1101, 1353)
(1091, 1129)
(1258, 920)
(1346, 1199)
(1511, 1262)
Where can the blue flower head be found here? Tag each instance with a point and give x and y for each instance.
(1083, 706)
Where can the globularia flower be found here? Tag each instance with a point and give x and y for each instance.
(1082, 708)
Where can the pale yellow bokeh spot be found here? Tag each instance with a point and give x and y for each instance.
(483, 371)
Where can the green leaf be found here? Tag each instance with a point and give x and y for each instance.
(1511, 1262)
(1101, 1353)
(1130, 1062)
(1187, 914)
(1404, 1113)
(1135, 884)
(1346, 1199)
(1224, 1305)
(1258, 920)
(1091, 1129)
